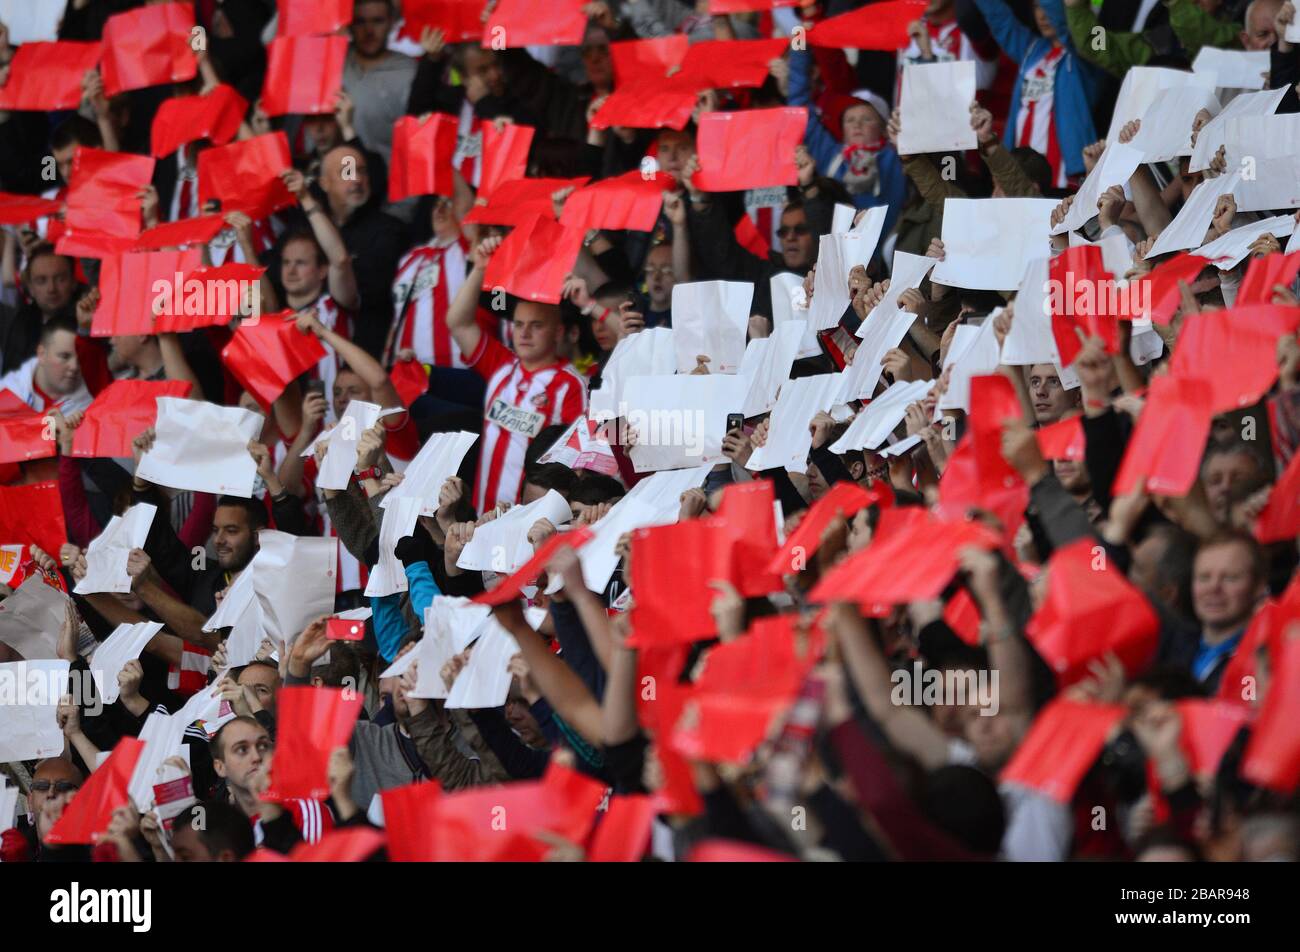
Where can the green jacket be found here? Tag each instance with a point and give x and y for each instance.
(1115, 52)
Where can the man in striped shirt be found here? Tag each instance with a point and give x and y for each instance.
(527, 390)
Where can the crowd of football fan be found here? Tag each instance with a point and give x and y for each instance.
(1196, 760)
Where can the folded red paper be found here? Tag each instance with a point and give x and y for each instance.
(647, 104)
(672, 567)
(21, 209)
(534, 259)
(410, 379)
(266, 355)
(639, 60)
(874, 26)
(352, 845)
(103, 215)
(312, 17)
(912, 557)
(91, 808)
(245, 175)
(1272, 756)
(148, 46)
(516, 201)
(1062, 440)
(422, 154)
(628, 202)
(215, 116)
(750, 238)
(1158, 290)
(1063, 742)
(32, 515)
(1169, 437)
(623, 833)
(1264, 274)
(44, 77)
(658, 713)
(1233, 351)
(1090, 611)
(728, 64)
(505, 154)
(136, 288)
(345, 629)
(212, 297)
(122, 411)
(517, 23)
(1209, 728)
(1280, 519)
(1081, 292)
(971, 482)
(459, 20)
(962, 615)
(409, 821)
(843, 499)
(186, 231)
(752, 149)
(310, 724)
(513, 587)
(303, 75)
(22, 431)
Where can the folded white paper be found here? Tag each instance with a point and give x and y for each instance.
(1233, 69)
(294, 581)
(8, 806)
(647, 352)
(711, 319)
(438, 460)
(1030, 339)
(163, 736)
(790, 305)
(341, 456)
(388, 577)
(32, 21)
(1142, 86)
(1266, 151)
(107, 553)
(880, 333)
(29, 700)
(902, 446)
(986, 241)
(123, 645)
(485, 680)
(1213, 133)
(1188, 228)
(838, 255)
(770, 368)
(32, 618)
(501, 545)
(935, 107)
(1166, 130)
(1228, 251)
(1114, 167)
(203, 447)
(908, 272)
(402, 664)
(974, 352)
(240, 612)
(434, 650)
(878, 419)
(681, 419)
(788, 437)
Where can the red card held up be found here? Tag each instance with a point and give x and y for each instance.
(345, 629)
(751, 149)
(513, 587)
(843, 499)
(91, 808)
(422, 154)
(750, 238)
(1280, 519)
(103, 214)
(1062, 440)
(44, 77)
(628, 202)
(186, 231)
(962, 615)
(132, 284)
(265, 355)
(728, 64)
(505, 154)
(22, 431)
(410, 379)
(409, 821)
(1081, 289)
(1168, 439)
(747, 514)
(1158, 290)
(181, 119)
(32, 515)
(725, 730)
(623, 833)
(352, 845)
(310, 724)
(973, 482)
(122, 411)
(672, 567)
(148, 46)
(1263, 274)
(518, 200)
(534, 259)
(245, 175)
(214, 296)
(517, 23)
(303, 75)
(1091, 610)
(1272, 756)
(459, 20)
(1233, 351)
(1209, 728)
(1063, 742)
(21, 209)
(874, 26)
(640, 60)
(313, 17)
(647, 104)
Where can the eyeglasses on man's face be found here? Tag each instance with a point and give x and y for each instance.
(664, 271)
(789, 231)
(59, 786)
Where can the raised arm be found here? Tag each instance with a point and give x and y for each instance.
(342, 279)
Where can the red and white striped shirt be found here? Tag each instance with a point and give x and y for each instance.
(1035, 124)
(949, 44)
(468, 158)
(339, 321)
(192, 674)
(518, 405)
(763, 205)
(426, 283)
(311, 817)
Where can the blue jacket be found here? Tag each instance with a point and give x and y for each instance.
(1076, 81)
(826, 149)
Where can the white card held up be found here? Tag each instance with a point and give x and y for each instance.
(203, 447)
(1266, 151)
(788, 436)
(107, 553)
(485, 679)
(909, 271)
(790, 305)
(1142, 86)
(1233, 69)
(163, 736)
(294, 582)
(974, 352)
(1166, 129)
(776, 355)
(878, 419)
(32, 618)
(837, 256)
(32, 21)
(8, 805)
(1187, 230)
(29, 698)
(644, 353)
(880, 333)
(1116, 250)
(341, 456)
(1115, 166)
(1292, 32)
(681, 420)
(1030, 339)
(438, 460)
(1214, 133)
(1228, 251)
(986, 241)
(388, 577)
(935, 105)
(711, 319)
(123, 645)
(432, 652)
(501, 545)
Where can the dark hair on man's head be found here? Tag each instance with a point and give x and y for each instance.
(618, 289)
(542, 442)
(221, 826)
(76, 130)
(44, 250)
(1174, 566)
(343, 668)
(305, 234)
(1035, 165)
(555, 476)
(593, 488)
(55, 324)
(1255, 552)
(218, 743)
(253, 509)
